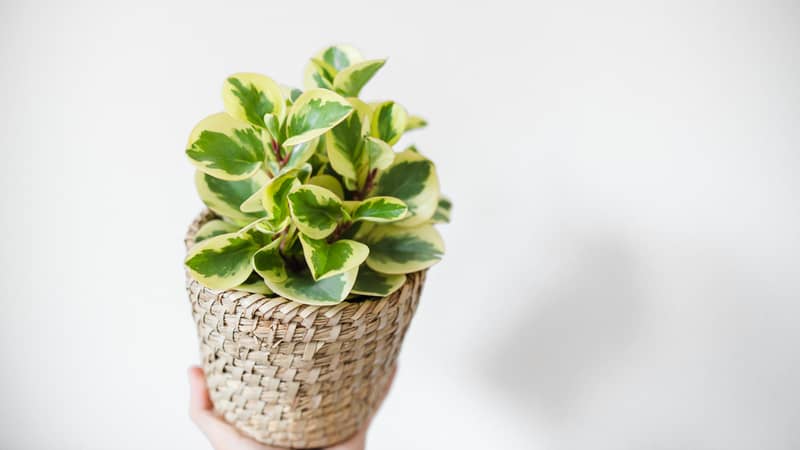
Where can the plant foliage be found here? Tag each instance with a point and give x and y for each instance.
(313, 201)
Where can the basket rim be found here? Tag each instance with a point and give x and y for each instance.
(207, 215)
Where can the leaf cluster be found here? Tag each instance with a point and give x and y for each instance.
(314, 202)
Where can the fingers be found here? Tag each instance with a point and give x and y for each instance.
(201, 408)
(198, 393)
(225, 437)
(357, 442)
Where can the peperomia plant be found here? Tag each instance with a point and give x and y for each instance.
(314, 204)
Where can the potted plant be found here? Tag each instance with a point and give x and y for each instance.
(307, 267)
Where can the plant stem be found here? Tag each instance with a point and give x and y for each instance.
(282, 245)
(369, 183)
(276, 150)
(339, 231)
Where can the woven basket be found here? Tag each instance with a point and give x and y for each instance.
(294, 375)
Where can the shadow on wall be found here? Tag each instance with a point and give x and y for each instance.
(572, 336)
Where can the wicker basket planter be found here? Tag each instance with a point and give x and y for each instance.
(294, 375)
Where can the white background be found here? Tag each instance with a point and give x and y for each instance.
(622, 267)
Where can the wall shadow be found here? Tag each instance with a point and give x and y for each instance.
(574, 333)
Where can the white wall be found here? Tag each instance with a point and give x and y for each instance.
(621, 271)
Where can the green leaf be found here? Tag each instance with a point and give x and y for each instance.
(289, 93)
(396, 250)
(301, 153)
(379, 156)
(358, 230)
(273, 127)
(249, 96)
(370, 282)
(364, 112)
(380, 209)
(224, 197)
(415, 122)
(388, 122)
(442, 214)
(328, 72)
(316, 211)
(275, 201)
(345, 149)
(300, 285)
(254, 284)
(340, 56)
(328, 182)
(255, 203)
(411, 178)
(259, 230)
(316, 76)
(213, 228)
(325, 65)
(315, 112)
(268, 262)
(326, 259)
(223, 261)
(352, 79)
(226, 148)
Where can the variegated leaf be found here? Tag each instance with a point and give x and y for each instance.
(340, 56)
(249, 96)
(275, 198)
(255, 203)
(328, 182)
(213, 228)
(345, 148)
(272, 124)
(224, 197)
(303, 172)
(411, 178)
(300, 285)
(442, 214)
(350, 80)
(223, 261)
(289, 93)
(254, 284)
(378, 156)
(370, 282)
(350, 206)
(325, 260)
(316, 211)
(396, 250)
(380, 209)
(294, 94)
(415, 122)
(301, 153)
(316, 75)
(315, 112)
(328, 72)
(226, 148)
(259, 230)
(389, 121)
(364, 112)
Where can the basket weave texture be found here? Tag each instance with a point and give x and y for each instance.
(294, 375)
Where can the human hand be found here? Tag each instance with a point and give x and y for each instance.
(225, 437)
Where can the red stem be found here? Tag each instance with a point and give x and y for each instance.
(368, 185)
